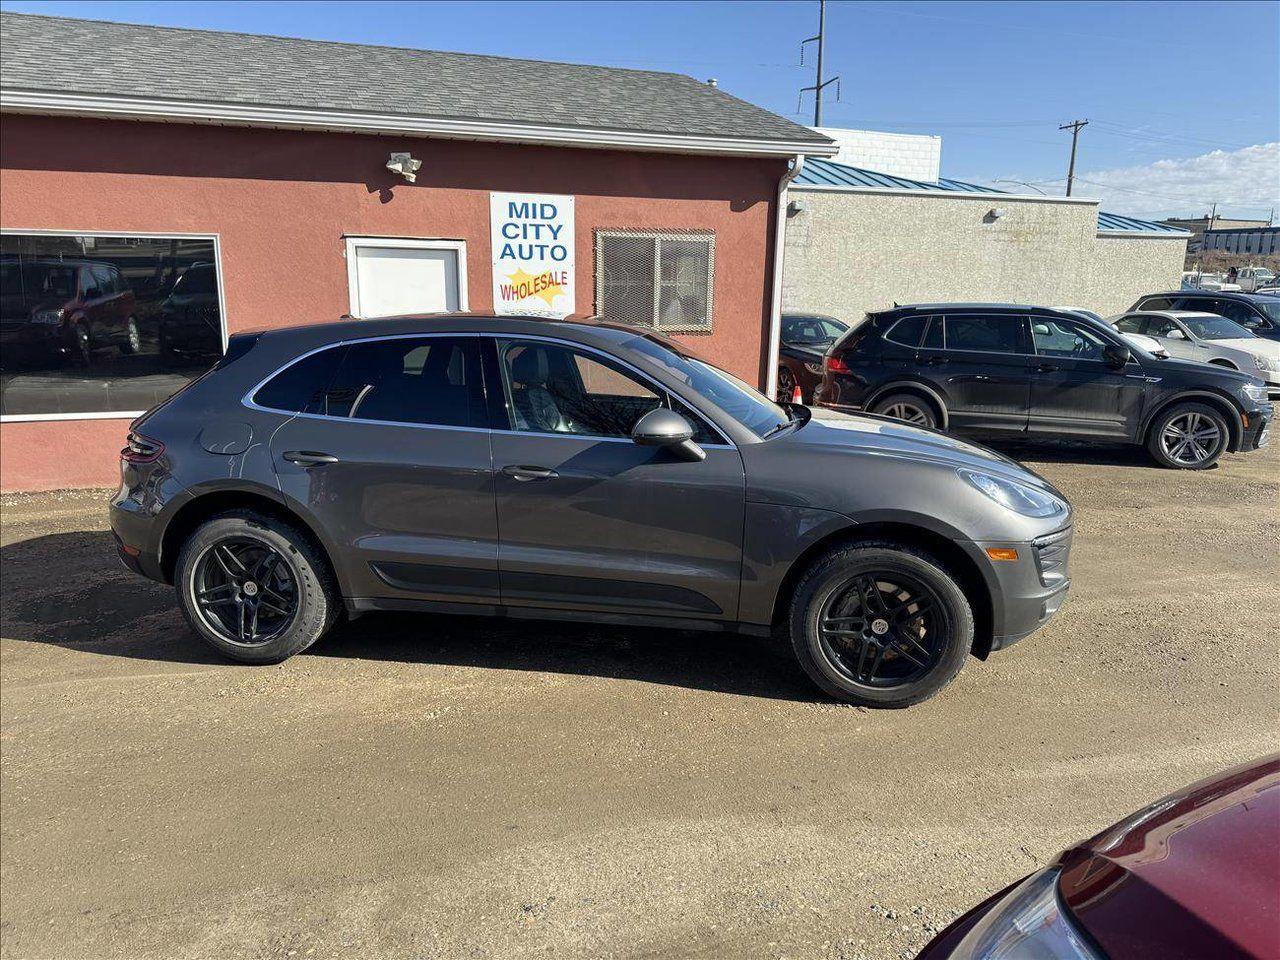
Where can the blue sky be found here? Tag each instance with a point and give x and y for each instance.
(1178, 92)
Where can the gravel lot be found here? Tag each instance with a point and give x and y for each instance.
(439, 788)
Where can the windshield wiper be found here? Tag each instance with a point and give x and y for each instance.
(791, 418)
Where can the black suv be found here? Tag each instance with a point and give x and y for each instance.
(1258, 313)
(1005, 370)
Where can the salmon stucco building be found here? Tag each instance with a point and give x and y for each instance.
(165, 189)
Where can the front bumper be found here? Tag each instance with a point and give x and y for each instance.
(1028, 591)
(1256, 431)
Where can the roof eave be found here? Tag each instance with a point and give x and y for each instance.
(1146, 234)
(185, 111)
(952, 194)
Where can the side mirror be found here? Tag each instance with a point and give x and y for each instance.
(1174, 334)
(661, 427)
(1117, 355)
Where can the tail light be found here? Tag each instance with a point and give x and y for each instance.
(836, 365)
(140, 449)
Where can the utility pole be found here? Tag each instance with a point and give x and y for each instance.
(1074, 126)
(1213, 214)
(819, 84)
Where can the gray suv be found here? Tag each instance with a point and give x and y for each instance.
(577, 470)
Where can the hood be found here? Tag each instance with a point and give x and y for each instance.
(1267, 348)
(1192, 875)
(1199, 369)
(868, 433)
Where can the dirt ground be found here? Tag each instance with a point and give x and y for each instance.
(461, 788)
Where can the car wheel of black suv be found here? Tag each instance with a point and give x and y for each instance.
(880, 625)
(1188, 436)
(255, 588)
(786, 385)
(907, 407)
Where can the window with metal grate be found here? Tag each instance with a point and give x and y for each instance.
(660, 278)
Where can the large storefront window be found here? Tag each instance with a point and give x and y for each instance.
(103, 324)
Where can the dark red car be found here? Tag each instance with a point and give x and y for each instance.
(1195, 876)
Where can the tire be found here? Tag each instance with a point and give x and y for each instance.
(908, 407)
(786, 385)
(945, 633)
(83, 344)
(1184, 420)
(300, 574)
(132, 339)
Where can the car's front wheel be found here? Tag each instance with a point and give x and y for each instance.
(1188, 436)
(880, 624)
(255, 588)
(786, 385)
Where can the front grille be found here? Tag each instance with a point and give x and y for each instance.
(1051, 552)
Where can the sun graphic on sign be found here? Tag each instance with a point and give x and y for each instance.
(548, 291)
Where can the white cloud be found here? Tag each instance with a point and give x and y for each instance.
(1245, 183)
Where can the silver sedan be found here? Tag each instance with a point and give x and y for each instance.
(1190, 335)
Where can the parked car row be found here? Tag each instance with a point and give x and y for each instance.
(1188, 385)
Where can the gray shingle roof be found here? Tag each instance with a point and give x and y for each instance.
(66, 56)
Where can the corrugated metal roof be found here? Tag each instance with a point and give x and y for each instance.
(1114, 223)
(818, 172)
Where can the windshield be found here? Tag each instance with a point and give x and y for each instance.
(743, 403)
(1216, 328)
(812, 331)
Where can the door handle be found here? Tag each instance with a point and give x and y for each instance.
(1047, 368)
(308, 458)
(934, 361)
(525, 474)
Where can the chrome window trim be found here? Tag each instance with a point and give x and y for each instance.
(248, 401)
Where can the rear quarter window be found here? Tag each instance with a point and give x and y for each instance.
(1156, 303)
(302, 387)
(907, 332)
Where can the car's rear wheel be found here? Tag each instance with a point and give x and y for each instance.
(786, 385)
(1188, 436)
(907, 407)
(255, 588)
(880, 624)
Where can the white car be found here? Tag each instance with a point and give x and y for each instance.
(1207, 337)
(1149, 344)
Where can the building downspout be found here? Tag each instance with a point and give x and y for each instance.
(775, 302)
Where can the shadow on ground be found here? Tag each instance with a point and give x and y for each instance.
(69, 590)
(1073, 451)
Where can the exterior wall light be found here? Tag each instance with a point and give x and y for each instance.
(405, 165)
(996, 213)
(796, 207)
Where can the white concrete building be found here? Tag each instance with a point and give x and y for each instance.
(912, 155)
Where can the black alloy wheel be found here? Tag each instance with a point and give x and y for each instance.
(245, 591)
(881, 629)
(256, 588)
(880, 624)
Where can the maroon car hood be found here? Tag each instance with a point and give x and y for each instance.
(1192, 876)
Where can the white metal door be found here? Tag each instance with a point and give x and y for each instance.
(389, 277)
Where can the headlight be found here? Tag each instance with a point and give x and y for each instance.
(47, 316)
(1028, 923)
(1257, 392)
(1264, 363)
(814, 368)
(1018, 497)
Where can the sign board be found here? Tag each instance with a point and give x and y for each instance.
(533, 254)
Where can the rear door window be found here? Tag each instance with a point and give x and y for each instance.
(933, 337)
(1133, 323)
(985, 333)
(422, 380)
(1156, 303)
